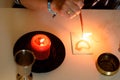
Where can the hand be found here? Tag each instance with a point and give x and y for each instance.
(68, 8)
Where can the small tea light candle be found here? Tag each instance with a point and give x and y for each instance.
(40, 44)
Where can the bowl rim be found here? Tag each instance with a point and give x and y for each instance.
(103, 71)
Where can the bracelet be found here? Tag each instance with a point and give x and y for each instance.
(18, 2)
(50, 10)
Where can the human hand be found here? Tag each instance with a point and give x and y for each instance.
(68, 8)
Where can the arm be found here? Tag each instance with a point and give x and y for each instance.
(34, 4)
(69, 8)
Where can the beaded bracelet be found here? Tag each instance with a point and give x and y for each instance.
(49, 7)
(18, 2)
(50, 10)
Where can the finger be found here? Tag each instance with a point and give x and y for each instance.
(79, 3)
(71, 9)
(68, 12)
(75, 8)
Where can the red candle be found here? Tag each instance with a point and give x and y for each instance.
(40, 44)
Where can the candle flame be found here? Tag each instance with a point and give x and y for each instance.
(86, 36)
(42, 40)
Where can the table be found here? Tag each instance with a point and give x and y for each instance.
(104, 24)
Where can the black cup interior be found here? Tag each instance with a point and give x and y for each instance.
(108, 62)
(24, 58)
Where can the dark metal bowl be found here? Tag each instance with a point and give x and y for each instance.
(107, 64)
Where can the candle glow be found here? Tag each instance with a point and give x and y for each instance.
(84, 42)
(86, 36)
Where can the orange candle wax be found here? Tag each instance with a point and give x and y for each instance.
(40, 44)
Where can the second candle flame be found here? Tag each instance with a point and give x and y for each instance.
(42, 40)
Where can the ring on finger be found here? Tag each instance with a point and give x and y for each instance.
(69, 12)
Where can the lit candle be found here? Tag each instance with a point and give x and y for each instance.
(40, 44)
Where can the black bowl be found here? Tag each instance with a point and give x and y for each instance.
(57, 51)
